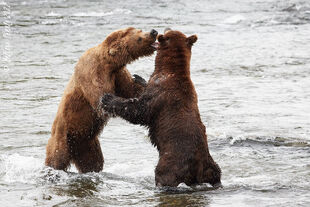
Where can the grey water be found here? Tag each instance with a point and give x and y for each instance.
(251, 70)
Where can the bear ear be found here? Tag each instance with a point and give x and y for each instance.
(112, 51)
(167, 30)
(160, 38)
(191, 39)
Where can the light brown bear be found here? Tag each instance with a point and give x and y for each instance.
(80, 119)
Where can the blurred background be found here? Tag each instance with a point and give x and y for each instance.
(251, 70)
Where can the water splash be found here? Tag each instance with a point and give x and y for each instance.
(18, 168)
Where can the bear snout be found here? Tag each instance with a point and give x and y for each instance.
(153, 33)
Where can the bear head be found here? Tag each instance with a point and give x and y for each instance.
(174, 50)
(126, 45)
(175, 39)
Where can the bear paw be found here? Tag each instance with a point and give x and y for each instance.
(139, 80)
(107, 102)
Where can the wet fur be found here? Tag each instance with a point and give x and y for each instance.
(79, 119)
(168, 107)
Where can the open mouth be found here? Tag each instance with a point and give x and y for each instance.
(155, 45)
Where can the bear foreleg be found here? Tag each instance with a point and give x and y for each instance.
(133, 110)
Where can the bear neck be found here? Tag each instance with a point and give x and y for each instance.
(173, 62)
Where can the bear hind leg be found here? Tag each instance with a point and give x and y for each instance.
(166, 180)
(58, 159)
(89, 157)
(165, 174)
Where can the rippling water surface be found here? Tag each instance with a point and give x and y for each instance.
(251, 69)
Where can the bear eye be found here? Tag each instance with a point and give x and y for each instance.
(139, 39)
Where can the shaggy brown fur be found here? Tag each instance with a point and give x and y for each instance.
(168, 107)
(80, 119)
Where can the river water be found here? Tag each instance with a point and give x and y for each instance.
(251, 70)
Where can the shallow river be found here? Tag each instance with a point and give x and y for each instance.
(251, 70)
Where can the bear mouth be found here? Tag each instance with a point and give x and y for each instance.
(155, 45)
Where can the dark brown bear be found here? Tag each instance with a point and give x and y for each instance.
(168, 107)
(80, 119)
